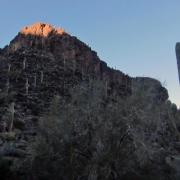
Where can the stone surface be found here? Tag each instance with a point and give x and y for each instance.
(178, 58)
(39, 63)
(51, 62)
(43, 61)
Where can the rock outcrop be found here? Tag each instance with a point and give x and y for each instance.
(43, 61)
(178, 58)
(41, 29)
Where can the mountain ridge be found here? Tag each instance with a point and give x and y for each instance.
(54, 56)
(42, 64)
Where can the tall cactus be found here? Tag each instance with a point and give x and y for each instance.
(42, 76)
(9, 68)
(74, 66)
(82, 73)
(35, 80)
(7, 86)
(24, 63)
(12, 111)
(106, 88)
(64, 62)
(27, 86)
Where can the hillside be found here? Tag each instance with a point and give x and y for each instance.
(54, 87)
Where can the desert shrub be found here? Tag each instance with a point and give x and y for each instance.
(89, 136)
(83, 137)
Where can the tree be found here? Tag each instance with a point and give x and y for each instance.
(92, 135)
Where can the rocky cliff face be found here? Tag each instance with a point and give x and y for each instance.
(43, 61)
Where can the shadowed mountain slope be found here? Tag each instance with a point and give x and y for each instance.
(126, 122)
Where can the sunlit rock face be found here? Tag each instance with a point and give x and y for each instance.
(41, 29)
(178, 58)
(38, 35)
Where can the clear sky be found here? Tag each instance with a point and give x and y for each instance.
(135, 36)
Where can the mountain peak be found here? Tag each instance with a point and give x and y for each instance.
(41, 29)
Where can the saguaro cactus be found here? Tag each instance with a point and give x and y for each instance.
(7, 86)
(9, 68)
(12, 111)
(82, 73)
(42, 76)
(35, 80)
(74, 66)
(24, 63)
(106, 88)
(64, 61)
(27, 86)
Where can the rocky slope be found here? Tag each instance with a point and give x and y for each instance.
(43, 61)
(39, 63)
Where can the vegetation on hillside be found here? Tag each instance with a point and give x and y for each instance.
(92, 136)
